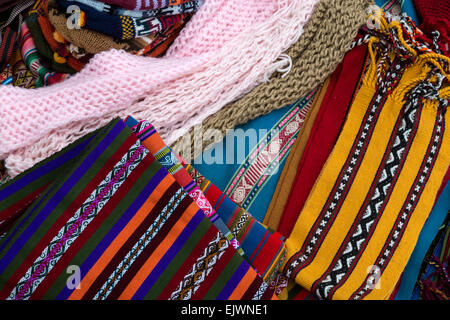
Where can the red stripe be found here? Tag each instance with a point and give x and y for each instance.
(187, 265)
(150, 248)
(259, 245)
(126, 247)
(214, 274)
(50, 234)
(252, 221)
(87, 233)
(22, 204)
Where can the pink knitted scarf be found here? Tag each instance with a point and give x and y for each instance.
(227, 48)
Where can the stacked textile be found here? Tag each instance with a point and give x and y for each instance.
(225, 50)
(55, 39)
(133, 221)
(288, 150)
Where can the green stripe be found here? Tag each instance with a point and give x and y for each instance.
(178, 261)
(42, 180)
(56, 172)
(224, 277)
(64, 203)
(104, 229)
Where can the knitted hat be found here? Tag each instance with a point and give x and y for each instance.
(174, 92)
(321, 48)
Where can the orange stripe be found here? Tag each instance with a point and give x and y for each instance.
(159, 252)
(154, 143)
(121, 238)
(243, 285)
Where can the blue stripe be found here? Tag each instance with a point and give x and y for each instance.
(60, 194)
(233, 281)
(117, 228)
(168, 257)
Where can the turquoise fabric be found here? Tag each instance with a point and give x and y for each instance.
(221, 172)
(426, 237)
(407, 6)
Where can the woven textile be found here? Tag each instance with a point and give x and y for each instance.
(435, 21)
(33, 61)
(7, 46)
(288, 173)
(22, 77)
(59, 49)
(144, 4)
(121, 27)
(429, 232)
(327, 37)
(388, 162)
(344, 84)
(106, 206)
(188, 7)
(261, 258)
(153, 142)
(264, 248)
(45, 52)
(247, 164)
(166, 88)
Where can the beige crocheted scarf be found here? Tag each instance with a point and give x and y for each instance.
(326, 38)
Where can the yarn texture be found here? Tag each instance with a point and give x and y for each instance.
(327, 37)
(36, 123)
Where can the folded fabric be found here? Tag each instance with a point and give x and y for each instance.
(247, 164)
(167, 87)
(269, 252)
(344, 84)
(388, 163)
(59, 48)
(153, 142)
(21, 76)
(91, 41)
(121, 27)
(33, 60)
(144, 5)
(106, 207)
(188, 7)
(287, 176)
(264, 248)
(326, 38)
(427, 235)
(435, 21)
(45, 52)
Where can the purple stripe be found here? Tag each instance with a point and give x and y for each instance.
(145, 135)
(24, 220)
(60, 194)
(168, 257)
(233, 281)
(117, 228)
(74, 227)
(27, 178)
